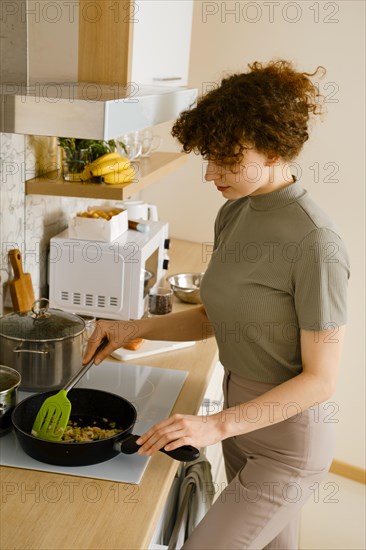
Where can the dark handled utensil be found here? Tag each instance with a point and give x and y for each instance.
(53, 416)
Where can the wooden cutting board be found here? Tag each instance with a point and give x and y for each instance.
(21, 288)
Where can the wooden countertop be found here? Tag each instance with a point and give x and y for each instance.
(47, 511)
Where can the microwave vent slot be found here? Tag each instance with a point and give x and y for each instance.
(101, 301)
(89, 300)
(76, 298)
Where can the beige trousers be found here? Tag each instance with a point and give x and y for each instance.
(271, 473)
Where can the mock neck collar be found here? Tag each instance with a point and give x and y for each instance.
(279, 198)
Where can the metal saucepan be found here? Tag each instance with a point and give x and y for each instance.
(87, 405)
(9, 382)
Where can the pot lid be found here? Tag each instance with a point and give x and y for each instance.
(41, 324)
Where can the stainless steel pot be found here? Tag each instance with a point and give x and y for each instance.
(44, 346)
(9, 382)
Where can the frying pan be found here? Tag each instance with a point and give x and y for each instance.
(87, 405)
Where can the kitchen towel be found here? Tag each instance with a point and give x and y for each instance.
(189, 502)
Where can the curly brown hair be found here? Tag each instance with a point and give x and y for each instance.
(267, 108)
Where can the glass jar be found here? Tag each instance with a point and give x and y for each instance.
(73, 163)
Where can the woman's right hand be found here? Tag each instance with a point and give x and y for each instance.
(117, 333)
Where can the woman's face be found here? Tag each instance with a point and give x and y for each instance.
(253, 176)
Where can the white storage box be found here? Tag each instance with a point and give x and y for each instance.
(98, 229)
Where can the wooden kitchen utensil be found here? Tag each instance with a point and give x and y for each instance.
(54, 414)
(21, 288)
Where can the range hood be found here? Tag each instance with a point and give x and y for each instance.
(49, 75)
(89, 111)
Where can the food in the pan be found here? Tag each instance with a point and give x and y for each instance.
(76, 432)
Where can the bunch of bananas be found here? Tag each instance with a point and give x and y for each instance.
(112, 167)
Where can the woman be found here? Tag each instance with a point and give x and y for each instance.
(274, 297)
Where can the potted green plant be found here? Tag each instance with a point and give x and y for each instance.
(77, 153)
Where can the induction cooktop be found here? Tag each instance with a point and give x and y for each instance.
(152, 390)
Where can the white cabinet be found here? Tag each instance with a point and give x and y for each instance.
(211, 404)
(161, 38)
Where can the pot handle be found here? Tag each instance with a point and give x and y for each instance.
(20, 349)
(38, 311)
(128, 445)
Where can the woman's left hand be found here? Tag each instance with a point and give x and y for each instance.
(182, 429)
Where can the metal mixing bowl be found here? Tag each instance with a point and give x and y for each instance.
(186, 286)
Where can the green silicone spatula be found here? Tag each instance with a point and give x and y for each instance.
(54, 414)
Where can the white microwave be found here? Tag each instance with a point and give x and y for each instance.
(107, 279)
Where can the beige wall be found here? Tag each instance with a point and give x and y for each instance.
(331, 166)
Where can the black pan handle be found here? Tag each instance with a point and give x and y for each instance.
(128, 445)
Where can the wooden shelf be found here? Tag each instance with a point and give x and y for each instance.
(148, 170)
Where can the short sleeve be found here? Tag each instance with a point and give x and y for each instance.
(319, 279)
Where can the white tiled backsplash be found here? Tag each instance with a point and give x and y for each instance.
(28, 222)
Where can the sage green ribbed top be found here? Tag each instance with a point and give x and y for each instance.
(278, 265)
